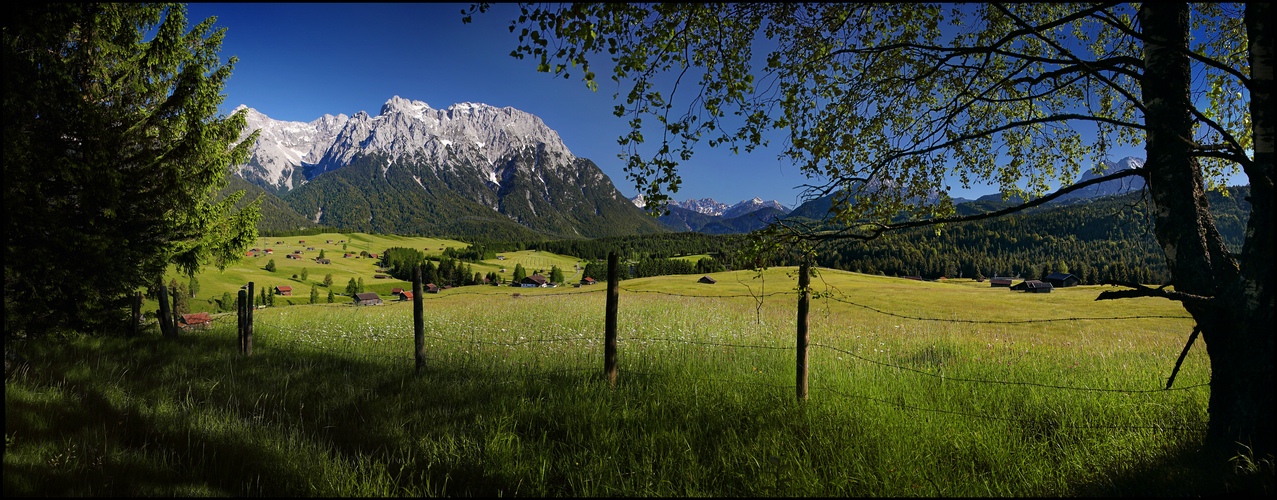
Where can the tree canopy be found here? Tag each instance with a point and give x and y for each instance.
(114, 153)
(884, 105)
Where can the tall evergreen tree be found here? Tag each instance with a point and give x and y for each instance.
(114, 152)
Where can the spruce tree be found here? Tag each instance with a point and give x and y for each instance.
(114, 155)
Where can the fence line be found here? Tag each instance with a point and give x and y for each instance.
(611, 342)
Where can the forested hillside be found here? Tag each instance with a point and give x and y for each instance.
(1105, 238)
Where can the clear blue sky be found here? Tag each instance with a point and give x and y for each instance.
(299, 61)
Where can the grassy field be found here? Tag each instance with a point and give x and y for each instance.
(288, 272)
(916, 389)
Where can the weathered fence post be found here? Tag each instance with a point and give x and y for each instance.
(137, 314)
(609, 325)
(804, 297)
(248, 325)
(177, 314)
(418, 320)
(165, 316)
(241, 316)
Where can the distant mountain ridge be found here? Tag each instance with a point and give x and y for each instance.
(422, 170)
(714, 217)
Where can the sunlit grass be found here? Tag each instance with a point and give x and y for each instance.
(950, 393)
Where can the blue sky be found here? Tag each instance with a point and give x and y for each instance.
(299, 61)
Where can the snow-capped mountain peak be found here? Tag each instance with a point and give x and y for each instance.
(288, 153)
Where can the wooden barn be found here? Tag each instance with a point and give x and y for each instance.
(196, 320)
(1061, 280)
(1033, 286)
(707, 279)
(284, 290)
(1000, 282)
(367, 299)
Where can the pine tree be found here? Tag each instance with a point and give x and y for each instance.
(114, 155)
(330, 295)
(305, 273)
(314, 295)
(328, 280)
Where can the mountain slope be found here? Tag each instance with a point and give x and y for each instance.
(470, 167)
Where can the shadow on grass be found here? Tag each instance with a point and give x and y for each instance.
(190, 416)
(1185, 472)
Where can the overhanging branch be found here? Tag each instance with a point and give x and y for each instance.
(1138, 290)
(874, 230)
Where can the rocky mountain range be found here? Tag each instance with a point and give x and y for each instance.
(465, 170)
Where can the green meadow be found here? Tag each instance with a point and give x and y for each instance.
(915, 389)
(335, 246)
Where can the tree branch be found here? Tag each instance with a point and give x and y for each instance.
(876, 229)
(1138, 290)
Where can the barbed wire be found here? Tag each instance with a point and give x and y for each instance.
(1001, 322)
(902, 405)
(1002, 382)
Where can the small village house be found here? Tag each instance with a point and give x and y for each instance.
(707, 280)
(367, 299)
(999, 282)
(534, 281)
(284, 290)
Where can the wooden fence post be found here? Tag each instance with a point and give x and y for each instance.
(609, 334)
(248, 325)
(137, 314)
(241, 316)
(804, 297)
(177, 314)
(418, 320)
(165, 316)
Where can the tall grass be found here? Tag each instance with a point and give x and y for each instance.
(921, 403)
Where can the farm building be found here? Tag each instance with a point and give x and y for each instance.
(367, 299)
(998, 281)
(323, 260)
(534, 281)
(1061, 280)
(431, 288)
(404, 295)
(293, 256)
(707, 279)
(915, 278)
(381, 276)
(1033, 286)
(396, 290)
(284, 290)
(196, 320)
(588, 281)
